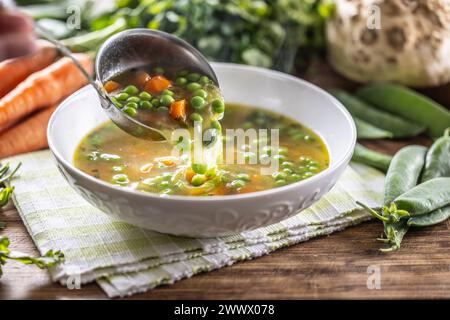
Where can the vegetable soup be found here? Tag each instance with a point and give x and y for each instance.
(114, 156)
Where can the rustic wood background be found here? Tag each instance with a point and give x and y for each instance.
(335, 266)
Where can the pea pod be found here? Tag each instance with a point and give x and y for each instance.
(425, 197)
(430, 219)
(399, 127)
(437, 162)
(403, 175)
(404, 172)
(367, 131)
(408, 104)
(371, 158)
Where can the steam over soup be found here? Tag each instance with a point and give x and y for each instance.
(112, 155)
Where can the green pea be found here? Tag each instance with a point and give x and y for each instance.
(122, 96)
(279, 175)
(166, 100)
(294, 177)
(194, 76)
(117, 168)
(279, 157)
(146, 105)
(145, 96)
(280, 183)
(133, 105)
(155, 102)
(215, 124)
(198, 103)
(237, 184)
(203, 80)
(158, 70)
(193, 86)
(201, 93)
(243, 176)
(218, 106)
(287, 164)
(183, 73)
(198, 180)
(181, 81)
(164, 184)
(282, 150)
(130, 111)
(163, 109)
(116, 102)
(121, 179)
(287, 170)
(133, 99)
(168, 92)
(199, 168)
(131, 90)
(307, 175)
(196, 117)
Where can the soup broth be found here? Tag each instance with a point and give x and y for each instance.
(114, 156)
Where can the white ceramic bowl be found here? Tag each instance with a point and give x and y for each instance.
(216, 215)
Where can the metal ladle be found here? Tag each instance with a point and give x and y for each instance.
(136, 48)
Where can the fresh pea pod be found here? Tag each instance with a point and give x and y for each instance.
(425, 197)
(399, 127)
(371, 158)
(408, 104)
(437, 162)
(367, 131)
(404, 172)
(430, 219)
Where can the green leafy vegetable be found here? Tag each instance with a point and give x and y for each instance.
(270, 33)
(50, 259)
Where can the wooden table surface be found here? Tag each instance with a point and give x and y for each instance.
(336, 266)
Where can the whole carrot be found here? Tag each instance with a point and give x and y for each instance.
(14, 71)
(29, 135)
(43, 88)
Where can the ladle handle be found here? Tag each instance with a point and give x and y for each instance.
(105, 102)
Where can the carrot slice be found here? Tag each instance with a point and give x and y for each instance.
(178, 109)
(141, 79)
(189, 174)
(157, 84)
(111, 86)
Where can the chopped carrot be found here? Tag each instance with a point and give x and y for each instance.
(168, 161)
(146, 168)
(14, 71)
(27, 136)
(111, 86)
(157, 84)
(178, 109)
(43, 88)
(189, 174)
(141, 79)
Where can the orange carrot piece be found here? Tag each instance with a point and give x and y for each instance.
(141, 79)
(178, 109)
(29, 135)
(157, 84)
(189, 174)
(43, 88)
(14, 71)
(111, 86)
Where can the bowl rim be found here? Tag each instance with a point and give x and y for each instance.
(321, 175)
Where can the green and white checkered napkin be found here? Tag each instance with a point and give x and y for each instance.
(124, 259)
